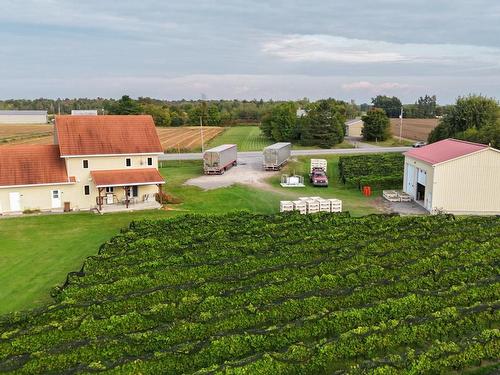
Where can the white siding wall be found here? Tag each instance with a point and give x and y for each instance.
(23, 119)
(469, 185)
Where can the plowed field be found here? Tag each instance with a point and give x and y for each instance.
(414, 128)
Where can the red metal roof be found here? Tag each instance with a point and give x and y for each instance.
(31, 165)
(120, 177)
(444, 150)
(105, 135)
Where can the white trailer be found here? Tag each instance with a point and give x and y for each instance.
(219, 159)
(276, 155)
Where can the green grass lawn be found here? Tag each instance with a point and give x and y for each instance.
(352, 199)
(38, 251)
(248, 138)
(391, 142)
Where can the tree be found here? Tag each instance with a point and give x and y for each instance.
(390, 105)
(376, 125)
(213, 116)
(161, 114)
(324, 124)
(125, 106)
(280, 124)
(426, 107)
(474, 118)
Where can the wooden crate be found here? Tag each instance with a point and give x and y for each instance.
(335, 205)
(324, 205)
(286, 206)
(404, 197)
(300, 206)
(391, 195)
(312, 206)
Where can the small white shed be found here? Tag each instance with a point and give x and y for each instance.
(354, 128)
(84, 112)
(455, 177)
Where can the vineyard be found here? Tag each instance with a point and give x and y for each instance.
(251, 294)
(375, 170)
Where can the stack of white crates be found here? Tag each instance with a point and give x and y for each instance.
(335, 205)
(310, 205)
(286, 206)
(300, 206)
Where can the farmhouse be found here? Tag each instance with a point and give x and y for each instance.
(454, 176)
(97, 162)
(354, 128)
(23, 117)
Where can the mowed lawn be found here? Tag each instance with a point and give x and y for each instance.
(248, 138)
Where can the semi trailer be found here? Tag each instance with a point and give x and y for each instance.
(276, 155)
(219, 159)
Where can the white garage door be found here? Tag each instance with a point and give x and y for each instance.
(421, 176)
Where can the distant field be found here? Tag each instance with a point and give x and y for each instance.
(187, 137)
(26, 133)
(248, 138)
(414, 128)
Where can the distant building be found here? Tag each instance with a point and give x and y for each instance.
(84, 112)
(354, 128)
(301, 112)
(23, 117)
(454, 176)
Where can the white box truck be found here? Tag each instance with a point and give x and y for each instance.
(219, 159)
(276, 155)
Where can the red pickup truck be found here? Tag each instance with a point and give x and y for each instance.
(318, 177)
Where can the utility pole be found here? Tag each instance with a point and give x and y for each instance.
(401, 125)
(201, 134)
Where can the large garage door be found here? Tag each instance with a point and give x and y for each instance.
(410, 180)
(421, 176)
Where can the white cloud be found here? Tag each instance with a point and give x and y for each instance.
(327, 48)
(375, 87)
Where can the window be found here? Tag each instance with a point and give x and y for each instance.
(150, 161)
(110, 189)
(86, 189)
(135, 191)
(85, 164)
(128, 162)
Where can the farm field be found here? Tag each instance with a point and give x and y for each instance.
(186, 138)
(244, 294)
(414, 128)
(248, 138)
(26, 133)
(53, 245)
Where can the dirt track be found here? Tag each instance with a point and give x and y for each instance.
(414, 128)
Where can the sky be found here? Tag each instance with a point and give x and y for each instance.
(233, 49)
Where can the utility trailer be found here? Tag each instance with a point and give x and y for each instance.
(219, 159)
(276, 155)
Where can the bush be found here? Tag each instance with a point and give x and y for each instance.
(376, 125)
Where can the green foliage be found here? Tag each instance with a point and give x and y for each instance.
(161, 114)
(280, 124)
(425, 107)
(475, 118)
(323, 125)
(245, 293)
(375, 170)
(376, 125)
(124, 106)
(390, 105)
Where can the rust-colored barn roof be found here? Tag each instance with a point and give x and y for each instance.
(129, 177)
(107, 135)
(32, 165)
(444, 150)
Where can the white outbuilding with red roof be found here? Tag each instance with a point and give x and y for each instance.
(454, 176)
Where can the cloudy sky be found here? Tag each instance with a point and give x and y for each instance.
(287, 49)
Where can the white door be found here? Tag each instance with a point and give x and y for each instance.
(56, 198)
(109, 198)
(15, 201)
(421, 177)
(410, 180)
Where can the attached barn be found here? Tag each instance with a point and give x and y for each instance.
(454, 176)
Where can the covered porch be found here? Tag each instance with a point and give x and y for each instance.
(127, 190)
